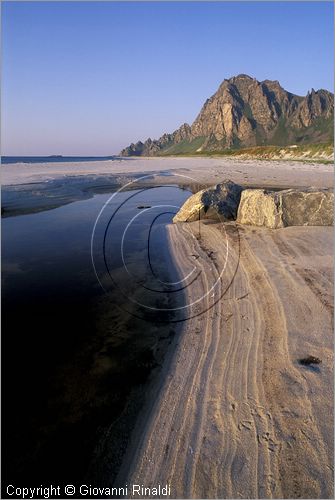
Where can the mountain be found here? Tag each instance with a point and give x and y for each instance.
(244, 112)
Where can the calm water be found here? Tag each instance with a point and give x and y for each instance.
(77, 357)
(53, 159)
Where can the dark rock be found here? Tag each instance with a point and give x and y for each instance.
(310, 360)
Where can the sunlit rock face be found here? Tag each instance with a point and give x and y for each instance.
(244, 112)
(219, 202)
(291, 207)
(228, 201)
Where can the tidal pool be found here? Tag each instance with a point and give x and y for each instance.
(84, 328)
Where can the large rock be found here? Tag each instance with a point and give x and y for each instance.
(219, 202)
(291, 207)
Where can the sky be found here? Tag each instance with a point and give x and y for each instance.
(89, 78)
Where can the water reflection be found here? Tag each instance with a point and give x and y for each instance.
(74, 362)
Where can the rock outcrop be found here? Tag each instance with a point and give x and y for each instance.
(228, 201)
(219, 202)
(290, 207)
(245, 112)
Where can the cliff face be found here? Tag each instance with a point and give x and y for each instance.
(245, 112)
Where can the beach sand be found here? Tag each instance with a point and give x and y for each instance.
(233, 413)
(34, 187)
(237, 415)
(202, 170)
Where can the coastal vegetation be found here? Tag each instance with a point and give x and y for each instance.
(245, 113)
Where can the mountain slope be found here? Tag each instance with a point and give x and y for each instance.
(245, 112)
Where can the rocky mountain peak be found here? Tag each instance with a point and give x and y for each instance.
(245, 112)
(241, 77)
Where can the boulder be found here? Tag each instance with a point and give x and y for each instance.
(290, 207)
(219, 202)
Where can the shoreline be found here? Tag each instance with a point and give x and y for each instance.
(36, 187)
(204, 169)
(237, 416)
(217, 415)
(96, 380)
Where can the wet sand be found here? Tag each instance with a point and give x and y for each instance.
(237, 415)
(234, 414)
(34, 187)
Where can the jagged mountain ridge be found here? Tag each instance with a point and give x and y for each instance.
(244, 112)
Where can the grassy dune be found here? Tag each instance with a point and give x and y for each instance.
(322, 153)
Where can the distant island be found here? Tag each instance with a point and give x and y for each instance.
(246, 113)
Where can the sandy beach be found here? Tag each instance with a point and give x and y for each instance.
(32, 187)
(202, 170)
(167, 219)
(237, 415)
(233, 413)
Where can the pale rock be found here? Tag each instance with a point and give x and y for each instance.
(290, 207)
(219, 202)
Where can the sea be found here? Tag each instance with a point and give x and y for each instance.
(54, 159)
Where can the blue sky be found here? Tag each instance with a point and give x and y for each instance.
(88, 78)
